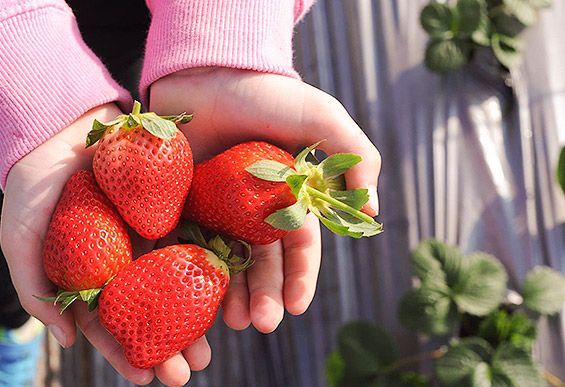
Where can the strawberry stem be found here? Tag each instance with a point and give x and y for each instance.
(339, 205)
(136, 108)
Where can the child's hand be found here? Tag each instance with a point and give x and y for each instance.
(231, 106)
(32, 192)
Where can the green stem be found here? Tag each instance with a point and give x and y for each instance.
(339, 205)
(136, 108)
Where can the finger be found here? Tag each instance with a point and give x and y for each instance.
(198, 355)
(30, 282)
(265, 280)
(174, 371)
(236, 303)
(302, 256)
(108, 347)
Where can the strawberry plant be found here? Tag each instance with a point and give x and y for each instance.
(458, 31)
(463, 301)
(257, 192)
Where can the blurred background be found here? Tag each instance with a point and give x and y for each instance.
(469, 158)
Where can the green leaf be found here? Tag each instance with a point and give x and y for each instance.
(338, 163)
(90, 296)
(437, 19)
(502, 327)
(433, 260)
(300, 161)
(544, 290)
(522, 10)
(355, 198)
(481, 376)
(270, 170)
(158, 126)
(365, 348)
(347, 225)
(481, 35)
(295, 182)
(470, 13)
(192, 233)
(517, 365)
(99, 128)
(461, 361)
(506, 49)
(482, 284)
(428, 311)
(182, 118)
(447, 55)
(335, 369)
(561, 170)
(289, 218)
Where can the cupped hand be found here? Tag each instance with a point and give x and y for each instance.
(32, 190)
(232, 106)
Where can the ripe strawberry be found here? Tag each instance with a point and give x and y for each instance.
(165, 300)
(256, 192)
(144, 165)
(87, 242)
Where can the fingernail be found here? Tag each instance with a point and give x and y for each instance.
(373, 198)
(58, 334)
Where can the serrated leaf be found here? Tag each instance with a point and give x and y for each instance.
(506, 49)
(433, 260)
(502, 327)
(437, 19)
(470, 13)
(561, 170)
(482, 284)
(335, 369)
(428, 311)
(355, 198)
(365, 349)
(544, 290)
(338, 163)
(289, 218)
(300, 161)
(270, 170)
(158, 126)
(99, 128)
(295, 182)
(347, 225)
(461, 361)
(447, 55)
(517, 365)
(522, 10)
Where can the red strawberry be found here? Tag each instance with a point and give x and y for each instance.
(256, 192)
(87, 242)
(144, 164)
(164, 301)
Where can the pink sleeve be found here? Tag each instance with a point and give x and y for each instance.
(243, 34)
(48, 76)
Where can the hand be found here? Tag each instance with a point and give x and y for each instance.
(232, 106)
(32, 191)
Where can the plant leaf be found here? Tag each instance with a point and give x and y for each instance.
(517, 365)
(436, 19)
(365, 348)
(502, 327)
(270, 170)
(461, 361)
(561, 170)
(428, 311)
(289, 218)
(470, 13)
(338, 163)
(335, 368)
(158, 126)
(90, 296)
(544, 290)
(434, 260)
(182, 118)
(355, 198)
(506, 49)
(482, 284)
(347, 225)
(481, 35)
(99, 128)
(300, 162)
(481, 376)
(295, 182)
(522, 10)
(447, 55)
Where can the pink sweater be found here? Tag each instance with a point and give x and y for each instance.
(49, 77)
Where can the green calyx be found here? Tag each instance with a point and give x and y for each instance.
(319, 187)
(65, 298)
(222, 248)
(163, 127)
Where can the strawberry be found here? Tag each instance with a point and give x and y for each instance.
(165, 300)
(144, 165)
(256, 192)
(86, 242)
